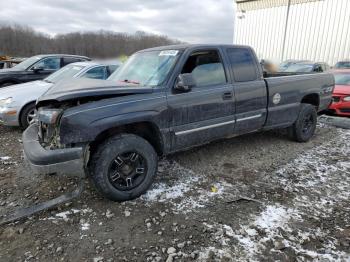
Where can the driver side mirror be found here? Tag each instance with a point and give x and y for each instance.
(37, 69)
(184, 83)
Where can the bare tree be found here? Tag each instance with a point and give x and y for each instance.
(24, 41)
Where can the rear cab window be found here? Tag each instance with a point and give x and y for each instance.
(243, 64)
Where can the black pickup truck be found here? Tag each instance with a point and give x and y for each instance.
(164, 100)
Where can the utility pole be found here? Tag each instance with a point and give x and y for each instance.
(285, 31)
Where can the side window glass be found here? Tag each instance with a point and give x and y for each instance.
(318, 68)
(96, 73)
(206, 68)
(243, 64)
(50, 63)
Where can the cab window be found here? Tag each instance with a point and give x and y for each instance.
(50, 63)
(243, 64)
(206, 68)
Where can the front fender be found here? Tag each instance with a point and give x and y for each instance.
(78, 132)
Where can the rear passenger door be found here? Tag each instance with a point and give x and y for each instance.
(206, 112)
(249, 89)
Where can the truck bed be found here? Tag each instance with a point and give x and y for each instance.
(292, 89)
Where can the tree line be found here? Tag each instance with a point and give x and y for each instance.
(23, 41)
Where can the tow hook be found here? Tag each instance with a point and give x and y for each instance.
(28, 211)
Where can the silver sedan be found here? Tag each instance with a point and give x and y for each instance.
(17, 102)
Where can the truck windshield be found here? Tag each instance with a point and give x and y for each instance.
(27, 63)
(149, 68)
(342, 79)
(68, 71)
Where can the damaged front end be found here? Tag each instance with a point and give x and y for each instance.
(43, 150)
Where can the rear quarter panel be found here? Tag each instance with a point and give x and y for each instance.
(292, 89)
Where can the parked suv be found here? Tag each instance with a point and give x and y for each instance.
(36, 68)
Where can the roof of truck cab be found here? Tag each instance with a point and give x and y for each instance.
(186, 46)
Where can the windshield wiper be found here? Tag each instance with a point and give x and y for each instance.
(47, 81)
(130, 82)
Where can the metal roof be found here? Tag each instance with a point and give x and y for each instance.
(247, 5)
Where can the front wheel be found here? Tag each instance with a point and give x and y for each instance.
(305, 125)
(123, 167)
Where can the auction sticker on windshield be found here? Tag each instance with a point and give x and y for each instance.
(168, 53)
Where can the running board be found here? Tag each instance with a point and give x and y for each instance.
(28, 211)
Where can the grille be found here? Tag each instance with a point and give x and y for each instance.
(336, 99)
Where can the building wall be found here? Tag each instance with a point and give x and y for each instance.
(318, 31)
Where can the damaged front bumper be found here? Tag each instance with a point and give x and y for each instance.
(42, 161)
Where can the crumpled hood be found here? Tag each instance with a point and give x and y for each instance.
(81, 88)
(341, 90)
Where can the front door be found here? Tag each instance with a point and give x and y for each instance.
(47, 65)
(206, 112)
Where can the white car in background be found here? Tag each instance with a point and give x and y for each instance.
(17, 102)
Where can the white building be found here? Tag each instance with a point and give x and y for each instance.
(317, 30)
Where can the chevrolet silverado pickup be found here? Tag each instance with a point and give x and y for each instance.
(163, 100)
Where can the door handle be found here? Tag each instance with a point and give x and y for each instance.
(227, 95)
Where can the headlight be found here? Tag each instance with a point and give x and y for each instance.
(6, 101)
(346, 99)
(49, 116)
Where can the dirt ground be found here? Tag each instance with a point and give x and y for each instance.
(259, 197)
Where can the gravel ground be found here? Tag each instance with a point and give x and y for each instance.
(259, 197)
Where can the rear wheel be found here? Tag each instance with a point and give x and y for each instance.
(27, 115)
(123, 168)
(305, 125)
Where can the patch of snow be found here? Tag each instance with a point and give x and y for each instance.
(224, 254)
(85, 226)
(185, 190)
(4, 158)
(64, 215)
(319, 180)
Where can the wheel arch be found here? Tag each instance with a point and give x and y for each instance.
(312, 99)
(21, 110)
(145, 129)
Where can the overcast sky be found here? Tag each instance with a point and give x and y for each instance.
(193, 21)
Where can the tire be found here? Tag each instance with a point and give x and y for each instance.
(27, 114)
(305, 125)
(120, 175)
